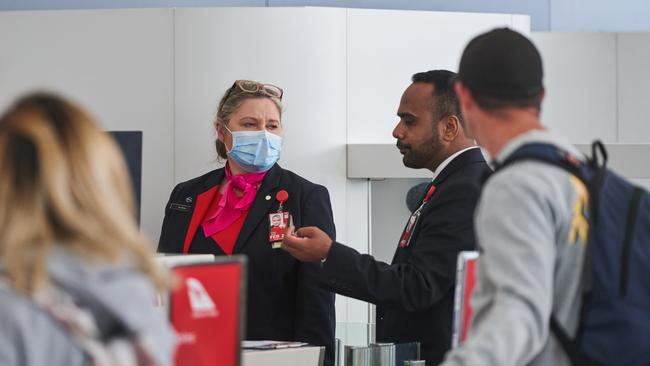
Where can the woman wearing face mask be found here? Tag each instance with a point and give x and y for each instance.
(234, 210)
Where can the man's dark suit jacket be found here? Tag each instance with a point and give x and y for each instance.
(415, 294)
(283, 301)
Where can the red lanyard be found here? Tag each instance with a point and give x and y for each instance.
(413, 219)
(427, 197)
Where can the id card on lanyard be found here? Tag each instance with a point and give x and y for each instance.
(405, 240)
(279, 221)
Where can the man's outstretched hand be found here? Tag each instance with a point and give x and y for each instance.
(307, 244)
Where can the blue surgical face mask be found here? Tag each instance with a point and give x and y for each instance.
(255, 151)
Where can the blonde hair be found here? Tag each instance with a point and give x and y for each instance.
(63, 182)
(230, 102)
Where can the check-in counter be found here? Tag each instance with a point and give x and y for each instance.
(300, 356)
(383, 354)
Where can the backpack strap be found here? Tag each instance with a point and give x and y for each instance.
(546, 153)
(627, 241)
(599, 172)
(598, 149)
(571, 346)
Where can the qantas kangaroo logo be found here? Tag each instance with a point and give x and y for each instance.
(200, 301)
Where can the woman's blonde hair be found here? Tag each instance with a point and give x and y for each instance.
(63, 182)
(230, 102)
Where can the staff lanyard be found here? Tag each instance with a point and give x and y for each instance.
(413, 219)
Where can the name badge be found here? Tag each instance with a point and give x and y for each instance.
(405, 239)
(180, 207)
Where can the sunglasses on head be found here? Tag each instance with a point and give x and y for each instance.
(250, 86)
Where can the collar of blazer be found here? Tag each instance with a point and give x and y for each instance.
(468, 157)
(259, 208)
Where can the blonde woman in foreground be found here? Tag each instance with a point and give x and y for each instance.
(77, 280)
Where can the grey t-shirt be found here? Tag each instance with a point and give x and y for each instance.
(531, 229)
(29, 336)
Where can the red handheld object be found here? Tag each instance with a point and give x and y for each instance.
(282, 196)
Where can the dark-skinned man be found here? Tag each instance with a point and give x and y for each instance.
(415, 293)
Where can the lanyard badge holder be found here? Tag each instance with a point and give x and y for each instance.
(278, 221)
(405, 240)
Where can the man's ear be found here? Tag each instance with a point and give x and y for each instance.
(451, 128)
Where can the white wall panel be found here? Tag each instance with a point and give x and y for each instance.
(386, 47)
(378, 161)
(521, 23)
(599, 15)
(580, 81)
(300, 50)
(358, 237)
(117, 64)
(628, 160)
(633, 80)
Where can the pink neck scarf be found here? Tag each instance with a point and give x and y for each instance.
(231, 206)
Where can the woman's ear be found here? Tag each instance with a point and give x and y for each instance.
(218, 126)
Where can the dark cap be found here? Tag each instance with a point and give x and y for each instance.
(502, 64)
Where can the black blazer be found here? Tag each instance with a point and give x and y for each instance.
(283, 301)
(415, 294)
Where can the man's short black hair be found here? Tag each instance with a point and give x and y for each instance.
(445, 102)
(502, 68)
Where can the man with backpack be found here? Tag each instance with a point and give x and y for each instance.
(543, 253)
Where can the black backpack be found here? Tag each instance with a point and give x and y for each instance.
(614, 325)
